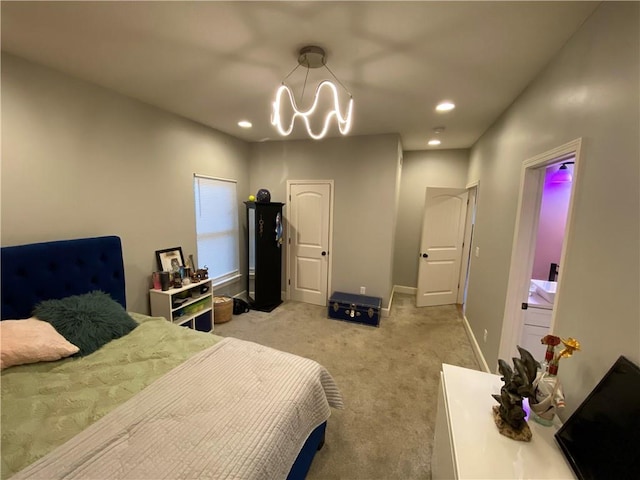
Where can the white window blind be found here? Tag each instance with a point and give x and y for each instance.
(216, 208)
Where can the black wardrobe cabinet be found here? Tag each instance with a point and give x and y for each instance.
(264, 253)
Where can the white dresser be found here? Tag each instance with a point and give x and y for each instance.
(467, 444)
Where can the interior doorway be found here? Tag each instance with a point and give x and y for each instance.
(441, 246)
(470, 223)
(545, 274)
(310, 219)
(532, 182)
(449, 203)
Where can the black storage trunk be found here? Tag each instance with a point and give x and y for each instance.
(355, 308)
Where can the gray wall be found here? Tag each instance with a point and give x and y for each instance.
(433, 168)
(79, 160)
(364, 170)
(589, 90)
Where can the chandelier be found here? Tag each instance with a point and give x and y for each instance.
(312, 57)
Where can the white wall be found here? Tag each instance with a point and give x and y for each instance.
(433, 168)
(79, 160)
(589, 90)
(364, 170)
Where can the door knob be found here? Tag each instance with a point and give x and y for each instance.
(323, 253)
(425, 255)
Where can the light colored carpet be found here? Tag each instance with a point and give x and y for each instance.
(388, 377)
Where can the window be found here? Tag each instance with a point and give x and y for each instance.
(216, 207)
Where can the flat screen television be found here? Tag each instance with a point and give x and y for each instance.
(601, 439)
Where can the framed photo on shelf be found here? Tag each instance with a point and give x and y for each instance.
(170, 259)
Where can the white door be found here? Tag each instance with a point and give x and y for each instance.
(465, 263)
(309, 224)
(441, 246)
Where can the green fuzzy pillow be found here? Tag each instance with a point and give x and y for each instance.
(88, 321)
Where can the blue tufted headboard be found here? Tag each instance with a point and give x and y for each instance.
(50, 270)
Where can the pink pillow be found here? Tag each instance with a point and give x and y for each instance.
(30, 341)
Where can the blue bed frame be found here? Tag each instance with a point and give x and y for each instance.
(52, 270)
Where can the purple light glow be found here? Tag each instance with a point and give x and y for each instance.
(554, 208)
(526, 408)
(563, 175)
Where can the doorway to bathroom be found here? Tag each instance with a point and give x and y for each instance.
(547, 190)
(545, 274)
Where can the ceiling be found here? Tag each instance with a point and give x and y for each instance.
(220, 62)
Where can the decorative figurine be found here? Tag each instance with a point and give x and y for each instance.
(548, 397)
(203, 273)
(263, 196)
(518, 384)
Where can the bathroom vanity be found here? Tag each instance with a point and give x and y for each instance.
(537, 317)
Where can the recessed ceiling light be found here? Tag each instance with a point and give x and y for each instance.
(244, 124)
(445, 106)
(434, 142)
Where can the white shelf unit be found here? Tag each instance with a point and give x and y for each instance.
(162, 305)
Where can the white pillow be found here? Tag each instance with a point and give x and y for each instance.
(30, 341)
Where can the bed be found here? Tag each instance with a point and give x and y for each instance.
(162, 401)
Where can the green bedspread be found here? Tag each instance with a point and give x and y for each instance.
(45, 404)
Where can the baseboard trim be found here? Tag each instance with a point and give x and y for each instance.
(385, 312)
(404, 289)
(474, 345)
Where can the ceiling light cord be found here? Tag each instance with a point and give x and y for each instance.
(290, 73)
(305, 85)
(341, 84)
(307, 76)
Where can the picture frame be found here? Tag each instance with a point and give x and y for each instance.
(169, 258)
